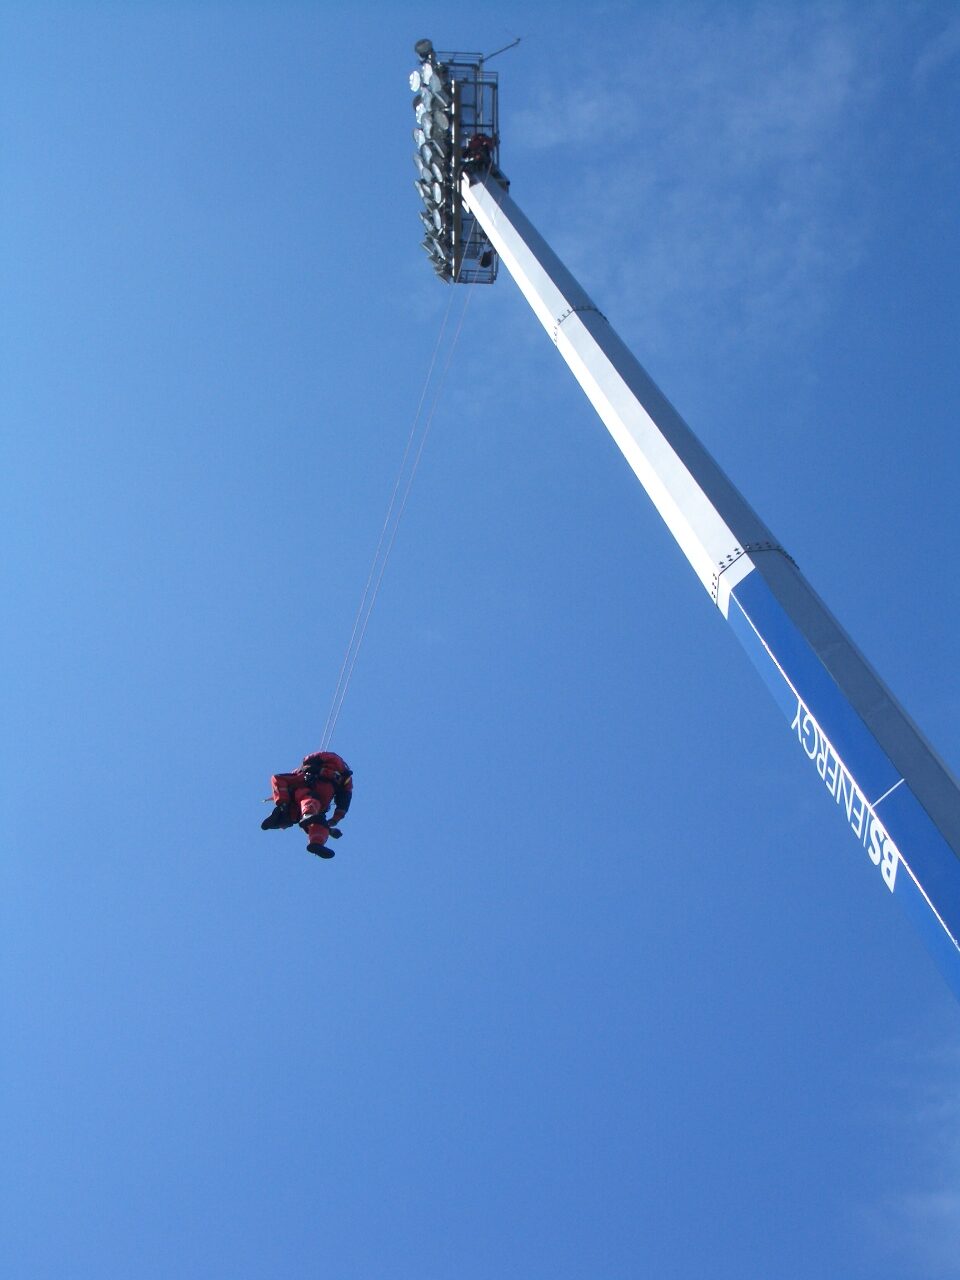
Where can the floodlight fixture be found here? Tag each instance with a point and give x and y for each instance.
(455, 100)
(441, 241)
(436, 254)
(436, 95)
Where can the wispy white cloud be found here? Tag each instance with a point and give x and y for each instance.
(722, 153)
(938, 52)
(919, 1225)
(930, 1223)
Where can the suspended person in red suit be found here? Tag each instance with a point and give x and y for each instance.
(304, 796)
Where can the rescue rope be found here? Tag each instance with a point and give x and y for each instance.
(394, 512)
(349, 658)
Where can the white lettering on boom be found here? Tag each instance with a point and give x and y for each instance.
(838, 780)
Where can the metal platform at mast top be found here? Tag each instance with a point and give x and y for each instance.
(456, 106)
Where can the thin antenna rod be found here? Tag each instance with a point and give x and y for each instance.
(503, 50)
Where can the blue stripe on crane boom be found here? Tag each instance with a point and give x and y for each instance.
(873, 798)
(893, 792)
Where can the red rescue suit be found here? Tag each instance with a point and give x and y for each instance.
(479, 149)
(307, 794)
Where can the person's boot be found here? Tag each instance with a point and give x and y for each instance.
(277, 820)
(317, 831)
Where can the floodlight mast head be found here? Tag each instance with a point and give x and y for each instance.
(457, 132)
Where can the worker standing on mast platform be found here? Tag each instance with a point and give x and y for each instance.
(303, 797)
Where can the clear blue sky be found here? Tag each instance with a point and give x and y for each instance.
(597, 985)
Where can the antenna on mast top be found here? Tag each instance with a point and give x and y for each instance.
(513, 44)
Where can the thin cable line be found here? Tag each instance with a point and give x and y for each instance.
(366, 604)
(396, 523)
(328, 727)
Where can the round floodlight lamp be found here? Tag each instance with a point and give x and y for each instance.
(436, 171)
(423, 49)
(435, 95)
(415, 81)
(435, 126)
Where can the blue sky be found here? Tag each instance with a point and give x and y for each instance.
(596, 985)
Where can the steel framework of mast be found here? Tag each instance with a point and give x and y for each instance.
(888, 785)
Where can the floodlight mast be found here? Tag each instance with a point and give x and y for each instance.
(888, 785)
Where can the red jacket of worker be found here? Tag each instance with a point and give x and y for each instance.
(327, 766)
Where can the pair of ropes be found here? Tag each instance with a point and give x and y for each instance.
(409, 463)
